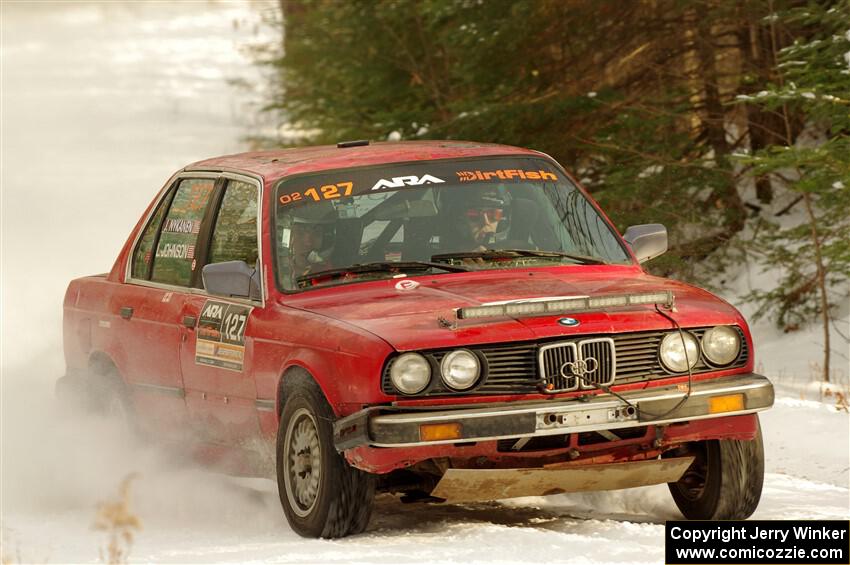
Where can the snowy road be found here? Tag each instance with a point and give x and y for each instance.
(192, 515)
(603, 528)
(100, 103)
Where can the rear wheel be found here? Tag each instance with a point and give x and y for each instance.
(724, 482)
(109, 397)
(322, 495)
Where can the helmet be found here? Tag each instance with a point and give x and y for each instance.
(318, 216)
(313, 213)
(463, 223)
(456, 200)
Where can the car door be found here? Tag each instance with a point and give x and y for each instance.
(150, 304)
(216, 353)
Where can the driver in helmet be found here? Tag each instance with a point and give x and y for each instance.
(304, 235)
(473, 216)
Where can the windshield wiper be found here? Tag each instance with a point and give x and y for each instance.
(382, 267)
(509, 253)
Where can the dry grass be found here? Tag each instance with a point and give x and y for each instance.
(841, 402)
(119, 522)
(840, 399)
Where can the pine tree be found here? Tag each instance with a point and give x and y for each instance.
(814, 253)
(638, 98)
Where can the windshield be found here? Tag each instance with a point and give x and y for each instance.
(368, 223)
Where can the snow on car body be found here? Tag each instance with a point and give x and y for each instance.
(451, 321)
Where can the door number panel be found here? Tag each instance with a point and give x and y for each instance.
(221, 335)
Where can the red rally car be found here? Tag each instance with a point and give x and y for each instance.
(443, 320)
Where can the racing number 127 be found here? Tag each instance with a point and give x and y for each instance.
(325, 192)
(234, 326)
(329, 191)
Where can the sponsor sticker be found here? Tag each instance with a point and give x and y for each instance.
(435, 175)
(406, 284)
(176, 251)
(505, 175)
(174, 225)
(409, 180)
(221, 335)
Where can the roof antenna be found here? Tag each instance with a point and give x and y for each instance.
(358, 143)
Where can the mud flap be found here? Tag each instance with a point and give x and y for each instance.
(469, 485)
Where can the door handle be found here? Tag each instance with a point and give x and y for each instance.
(189, 321)
(126, 312)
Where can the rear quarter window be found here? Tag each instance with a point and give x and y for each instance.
(174, 261)
(143, 255)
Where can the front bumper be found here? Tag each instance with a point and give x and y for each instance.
(402, 427)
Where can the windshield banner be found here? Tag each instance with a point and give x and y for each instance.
(340, 184)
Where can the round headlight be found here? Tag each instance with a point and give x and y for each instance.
(460, 369)
(672, 351)
(721, 344)
(410, 373)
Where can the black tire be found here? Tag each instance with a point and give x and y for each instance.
(321, 494)
(724, 482)
(109, 398)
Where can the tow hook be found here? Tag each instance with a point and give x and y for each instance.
(626, 413)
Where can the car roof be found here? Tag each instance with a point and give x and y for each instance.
(275, 164)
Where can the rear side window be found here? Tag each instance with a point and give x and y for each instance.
(235, 234)
(174, 260)
(143, 256)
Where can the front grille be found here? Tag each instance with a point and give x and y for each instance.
(602, 350)
(567, 366)
(552, 358)
(515, 368)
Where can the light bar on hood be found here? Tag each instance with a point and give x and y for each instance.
(538, 307)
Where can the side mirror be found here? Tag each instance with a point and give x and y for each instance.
(232, 278)
(648, 241)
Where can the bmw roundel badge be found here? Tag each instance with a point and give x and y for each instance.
(569, 322)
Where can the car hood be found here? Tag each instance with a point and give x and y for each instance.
(419, 312)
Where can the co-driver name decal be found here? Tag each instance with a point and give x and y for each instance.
(221, 335)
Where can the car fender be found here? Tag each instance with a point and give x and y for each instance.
(320, 365)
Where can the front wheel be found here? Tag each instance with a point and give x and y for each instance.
(322, 495)
(724, 482)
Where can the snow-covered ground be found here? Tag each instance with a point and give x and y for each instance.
(101, 102)
(192, 515)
